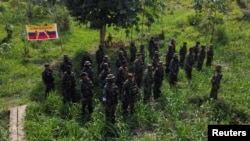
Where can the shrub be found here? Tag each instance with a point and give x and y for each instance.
(221, 36)
(194, 20)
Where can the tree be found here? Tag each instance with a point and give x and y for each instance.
(209, 9)
(101, 13)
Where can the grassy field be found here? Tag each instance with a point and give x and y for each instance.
(182, 113)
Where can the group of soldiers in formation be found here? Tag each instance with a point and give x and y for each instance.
(123, 82)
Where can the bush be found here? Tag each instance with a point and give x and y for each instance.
(221, 36)
(53, 104)
(63, 21)
(194, 20)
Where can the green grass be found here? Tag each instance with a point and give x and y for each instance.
(181, 114)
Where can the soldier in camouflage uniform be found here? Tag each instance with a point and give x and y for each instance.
(64, 64)
(189, 64)
(99, 57)
(152, 47)
(196, 50)
(104, 74)
(174, 70)
(173, 44)
(169, 56)
(183, 53)
(158, 78)
(122, 74)
(138, 68)
(88, 69)
(148, 83)
(85, 57)
(86, 92)
(120, 59)
(133, 51)
(68, 85)
(110, 98)
(142, 51)
(210, 56)
(215, 80)
(129, 95)
(48, 79)
(105, 60)
(156, 60)
(201, 58)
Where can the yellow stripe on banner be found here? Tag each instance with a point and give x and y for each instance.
(34, 28)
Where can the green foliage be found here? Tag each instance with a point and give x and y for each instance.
(5, 47)
(221, 35)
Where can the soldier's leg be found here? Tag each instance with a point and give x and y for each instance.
(146, 95)
(112, 114)
(125, 107)
(84, 104)
(132, 109)
(90, 105)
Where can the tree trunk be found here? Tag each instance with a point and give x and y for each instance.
(102, 35)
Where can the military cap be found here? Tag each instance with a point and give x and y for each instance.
(105, 64)
(87, 63)
(106, 57)
(84, 74)
(138, 54)
(130, 75)
(185, 43)
(160, 63)
(110, 76)
(46, 64)
(149, 65)
(197, 42)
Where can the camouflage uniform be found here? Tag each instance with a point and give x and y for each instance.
(86, 92)
(120, 59)
(48, 79)
(147, 83)
(169, 56)
(210, 56)
(183, 53)
(156, 60)
(174, 69)
(216, 82)
(138, 68)
(103, 75)
(68, 85)
(85, 57)
(152, 47)
(66, 62)
(196, 50)
(201, 58)
(88, 69)
(110, 98)
(142, 51)
(132, 51)
(105, 60)
(189, 64)
(99, 57)
(122, 74)
(158, 78)
(129, 95)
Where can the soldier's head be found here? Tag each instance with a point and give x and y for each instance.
(197, 43)
(124, 63)
(149, 67)
(110, 78)
(156, 53)
(121, 54)
(68, 68)
(106, 58)
(172, 41)
(138, 55)
(184, 44)
(130, 76)
(211, 47)
(105, 66)
(191, 50)
(84, 75)
(175, 56)
(46, 65)
(87, 64)
(101, 46)
(141, 47)
(132, 43)
(65, 57)
(203, 47)
(160, 64)
(218, 68)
